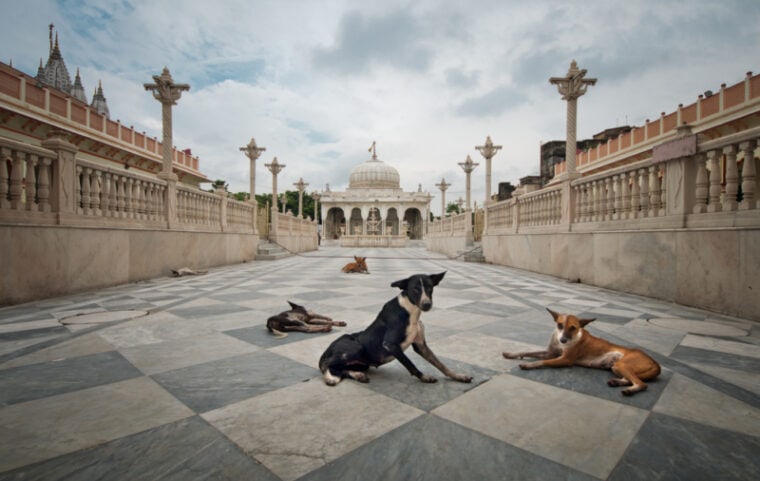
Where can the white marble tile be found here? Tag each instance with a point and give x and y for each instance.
(308, 351)
(78, 346)
(641, 333)
(41, 429)
(188, 351)
(28, 325)
(745, 380)
(480, 350)
(721, 345)
(155, 328)
(688, 399)
(295, 430)
(579, 431)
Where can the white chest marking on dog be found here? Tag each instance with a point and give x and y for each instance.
(414, 327)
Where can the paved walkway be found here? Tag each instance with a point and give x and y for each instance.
(178, 378)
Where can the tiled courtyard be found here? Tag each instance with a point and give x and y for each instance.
(178, 379)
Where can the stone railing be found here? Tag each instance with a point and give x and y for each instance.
(677, 223)
(728, 104)
(294, 233)
(450, 235)
(369, 240)
(50, 185)
(452, 225)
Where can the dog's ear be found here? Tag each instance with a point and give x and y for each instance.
(436, 278)
(554, 314)
(293, 305)
(583, 322)
(356, 259)
(401, 284)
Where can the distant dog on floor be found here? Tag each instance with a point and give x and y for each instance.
(572, 345)
(359, 266)
(186, 271)
(396, 327)
(298, 318)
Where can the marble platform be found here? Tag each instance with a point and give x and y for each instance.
(178, 379)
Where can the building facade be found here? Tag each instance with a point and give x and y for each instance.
(374, 210)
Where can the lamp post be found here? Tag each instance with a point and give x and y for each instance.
(572, 86)
(468, 166)
(443, 186)
(300, 185)
(167, 92)
(275, 168)
(488, 150)
(253, 152)
(315, 195)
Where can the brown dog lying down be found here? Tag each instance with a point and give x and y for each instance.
(360, 266)
(298, 318)
(572, 345)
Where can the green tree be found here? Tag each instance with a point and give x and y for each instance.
(451, 207)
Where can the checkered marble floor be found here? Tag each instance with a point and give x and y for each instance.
(178, 379)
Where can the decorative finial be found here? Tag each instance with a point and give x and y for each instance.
(373, 149)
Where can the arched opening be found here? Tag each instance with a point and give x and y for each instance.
(333, 223)
(355, 223)
(413, 223)
(392, 222)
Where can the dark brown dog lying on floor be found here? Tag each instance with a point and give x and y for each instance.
(298, 318)
(360, 266)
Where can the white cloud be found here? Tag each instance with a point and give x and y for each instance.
(317, 82)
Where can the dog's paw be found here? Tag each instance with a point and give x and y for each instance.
(466, 379)
(428, 379)
(341, 324)
(508, 355)
(525, 366)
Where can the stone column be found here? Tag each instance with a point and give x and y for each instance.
(253, 152)
(443, 186)
(64, 180)
(167, 92)
(488, 150)
(468, 166)
(301, 186)
(275, 168)
(572, 86)
(315, 195)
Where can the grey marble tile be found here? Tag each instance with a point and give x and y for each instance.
(715, 358)
(594, 383)
(297, 429)
(573, 429)
(41, 429)
(213, 385)
(415, 451)
(206, 311)
(394, 381)
(186, 450)
(676, 449)
(260, 336)
(45, 379)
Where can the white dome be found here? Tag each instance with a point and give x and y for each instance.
(374, 174)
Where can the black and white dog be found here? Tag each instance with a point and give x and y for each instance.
(396, 327)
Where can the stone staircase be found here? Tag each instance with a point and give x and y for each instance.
(270, 252)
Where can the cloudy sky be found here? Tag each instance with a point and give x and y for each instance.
(316, 82)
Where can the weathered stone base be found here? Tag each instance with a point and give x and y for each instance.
(40, 262)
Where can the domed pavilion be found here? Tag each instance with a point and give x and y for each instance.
(374, 211)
